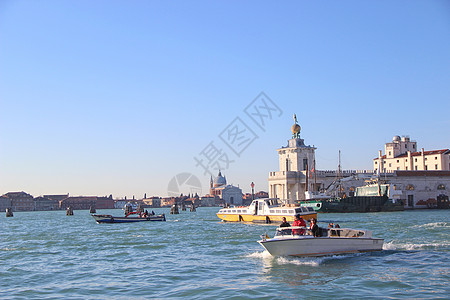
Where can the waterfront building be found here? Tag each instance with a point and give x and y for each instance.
(152, 201)
(86, 202)
(208, 201)
(21, 201)
(5, 203)
(44, 203)
(420, 179)
(402, 154)
(229, 194)
(261, 195)
(79, 202)
(168, 201)
(104, 202)
(56, 197)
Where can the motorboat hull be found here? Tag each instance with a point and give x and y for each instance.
(111, 219)
(320, 246)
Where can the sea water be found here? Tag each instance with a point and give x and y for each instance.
(48, 255)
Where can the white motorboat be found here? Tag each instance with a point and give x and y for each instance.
(330, 241)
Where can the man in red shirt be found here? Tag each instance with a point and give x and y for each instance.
(300, 223)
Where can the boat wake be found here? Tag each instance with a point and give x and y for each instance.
(299, 261)
(262, 255)
(415, 246)
(432, 225)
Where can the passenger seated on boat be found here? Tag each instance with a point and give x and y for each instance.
(332, 232)
(300, 223)
(146, 214)
(314, 228)
(285, 224)
(338, 231)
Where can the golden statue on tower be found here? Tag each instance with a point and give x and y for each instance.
(295, 129)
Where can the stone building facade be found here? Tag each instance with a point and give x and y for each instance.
(402, 154)
(21, 201)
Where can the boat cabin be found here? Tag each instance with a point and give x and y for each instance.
(270, 206)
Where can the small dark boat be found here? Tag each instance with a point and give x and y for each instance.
(126, 219)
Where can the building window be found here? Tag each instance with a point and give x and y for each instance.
(415, 159)
(305, 164)
(426, 167)
(390, 165)
(410, 187)
(376, 162)
(406, 168)
(416, 168)
(435, 167)
(398, 161)
(398, 168)
(435, 158)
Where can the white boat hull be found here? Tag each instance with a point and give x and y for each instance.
(320, 246)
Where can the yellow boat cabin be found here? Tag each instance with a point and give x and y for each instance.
(265, 211)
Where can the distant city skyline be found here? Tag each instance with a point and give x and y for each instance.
(100, 98)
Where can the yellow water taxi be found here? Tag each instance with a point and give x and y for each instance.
(265, 211)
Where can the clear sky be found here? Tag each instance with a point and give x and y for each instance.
(118, 97)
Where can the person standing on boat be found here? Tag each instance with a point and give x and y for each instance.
(314, 228)
(298, 222)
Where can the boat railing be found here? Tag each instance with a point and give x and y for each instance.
(324, 232)
(293, 230)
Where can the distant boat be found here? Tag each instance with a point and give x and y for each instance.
(110, 219)
(373, 197)
(265, 211)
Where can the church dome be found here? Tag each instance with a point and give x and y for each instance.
(396, 138)
(219, 180)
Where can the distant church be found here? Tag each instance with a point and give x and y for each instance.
(228, 193)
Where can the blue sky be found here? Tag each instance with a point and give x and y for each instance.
(118, 97)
